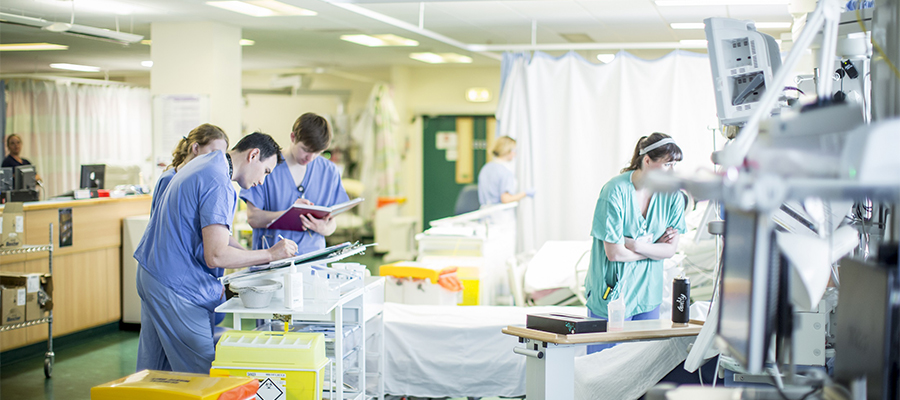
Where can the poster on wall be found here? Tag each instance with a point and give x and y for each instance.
(174, 116)
(65, 227)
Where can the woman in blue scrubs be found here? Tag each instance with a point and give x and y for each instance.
(633, 231)
(204, 139)
(187, 236)
(304, 177)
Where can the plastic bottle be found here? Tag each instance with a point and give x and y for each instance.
(293, 289)
(615, 311)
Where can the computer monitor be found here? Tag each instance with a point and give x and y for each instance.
(749, 288)
(92, 176)
(6, 179)
(25, 177)
(744, 63)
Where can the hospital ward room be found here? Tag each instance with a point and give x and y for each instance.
(450, 199)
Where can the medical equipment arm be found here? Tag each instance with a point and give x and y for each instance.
(219, 254)
(619, 252)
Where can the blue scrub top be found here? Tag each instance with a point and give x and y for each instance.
(161, 184)
(617, 216)
(494, 180)
(171, 249)
(322, 186)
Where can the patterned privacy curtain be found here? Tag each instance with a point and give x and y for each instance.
(64, 125)
(377, 131)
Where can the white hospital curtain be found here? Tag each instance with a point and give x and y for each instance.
(576, 124)
(376, 131)
(64, 125)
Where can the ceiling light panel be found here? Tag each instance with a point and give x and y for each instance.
(383, 40)
(32, 47)
(75, 67)
(262, 8)
(441, 58)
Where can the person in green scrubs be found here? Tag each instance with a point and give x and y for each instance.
(633, 231)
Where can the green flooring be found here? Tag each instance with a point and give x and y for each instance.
(78, 367)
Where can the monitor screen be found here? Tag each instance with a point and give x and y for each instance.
(92, 176)
(25, 177)
(748, 288)
(6, 179)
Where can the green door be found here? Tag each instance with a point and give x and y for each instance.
(454, 150)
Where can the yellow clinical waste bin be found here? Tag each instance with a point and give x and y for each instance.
(288, 366)
(165, 385)
(413, 270)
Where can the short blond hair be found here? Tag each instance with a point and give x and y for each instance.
(503, 146)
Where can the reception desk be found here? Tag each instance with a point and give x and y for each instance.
(87, 274)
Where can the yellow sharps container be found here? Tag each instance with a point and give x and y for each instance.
(289, 366)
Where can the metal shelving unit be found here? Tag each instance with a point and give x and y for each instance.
(48, 356)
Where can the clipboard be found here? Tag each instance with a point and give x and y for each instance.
(290, 219)
(324, 256)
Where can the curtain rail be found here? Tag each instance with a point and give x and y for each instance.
(65, 79)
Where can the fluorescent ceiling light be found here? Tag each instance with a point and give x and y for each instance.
(31, 46)
(759, 25)
(146, 41)
(379, 40)
(690, 3)
(700, 43)
(75, 67)
(441, 58)
(478, 95)
(147, 64)
(261, 8)
(98, 6)
(73, 29)
(606, 58)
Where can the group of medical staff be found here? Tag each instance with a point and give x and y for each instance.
(188, 241)
(634, 229)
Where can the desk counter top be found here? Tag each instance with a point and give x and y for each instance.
(634, 330)
(63, 203)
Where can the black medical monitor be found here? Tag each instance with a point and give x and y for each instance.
(92, 176)
(748, 291)
(25, 177)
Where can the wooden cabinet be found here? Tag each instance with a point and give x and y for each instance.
(87, 274)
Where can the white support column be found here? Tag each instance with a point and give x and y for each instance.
(200, 58)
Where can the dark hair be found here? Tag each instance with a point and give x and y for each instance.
(201, 135)
(10, 136)
(313, 131)
(670, 151)
(265, 143)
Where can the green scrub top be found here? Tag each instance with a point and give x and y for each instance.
(616, 217)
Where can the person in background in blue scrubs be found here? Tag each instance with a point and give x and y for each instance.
(186, 236)
(204, 139)
(304, 177)
(634, 230)
(496, 180)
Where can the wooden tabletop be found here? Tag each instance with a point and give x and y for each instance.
(634, 330)
(63, 203)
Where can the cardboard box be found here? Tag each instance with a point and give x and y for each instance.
(12, 226)
(12, 305)
(33, 284)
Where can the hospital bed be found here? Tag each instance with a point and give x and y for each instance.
(441, 351)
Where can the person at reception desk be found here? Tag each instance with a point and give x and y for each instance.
(303, 178)
(187, 235)
(204, 139)
(14, 158)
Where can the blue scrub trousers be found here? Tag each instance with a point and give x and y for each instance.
(594, 348)
(176, 335)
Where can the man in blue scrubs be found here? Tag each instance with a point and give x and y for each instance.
(188, 234)
(304, 177)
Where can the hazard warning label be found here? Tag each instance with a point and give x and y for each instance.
(271, 386)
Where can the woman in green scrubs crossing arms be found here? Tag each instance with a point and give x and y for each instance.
(633, 231)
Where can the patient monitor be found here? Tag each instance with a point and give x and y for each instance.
(744, 62)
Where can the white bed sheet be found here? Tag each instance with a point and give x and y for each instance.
(456, 351)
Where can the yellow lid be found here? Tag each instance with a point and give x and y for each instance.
(150, 385)
(293, 350)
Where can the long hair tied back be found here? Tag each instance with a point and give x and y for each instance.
(201, 135)
(658, 146)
